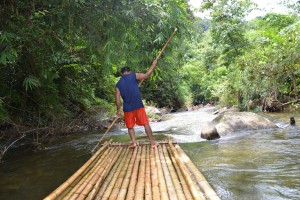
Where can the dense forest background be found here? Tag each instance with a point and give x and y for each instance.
(60, 60)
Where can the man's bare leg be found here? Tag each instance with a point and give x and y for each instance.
(132, 137)
(148, 131)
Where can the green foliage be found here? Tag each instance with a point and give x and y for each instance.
(237, 61)
(59, 59)
(31, 83)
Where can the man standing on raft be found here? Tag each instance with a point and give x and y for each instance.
(134, 111)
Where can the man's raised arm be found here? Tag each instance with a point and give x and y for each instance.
(141, 76)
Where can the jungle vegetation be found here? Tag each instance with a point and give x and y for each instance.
(60, 60)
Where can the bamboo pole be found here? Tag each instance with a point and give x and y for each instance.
(83, 182)
(162, 50)
(154, 178)
(121, 177)
(148, 188)
(177, 186)
(125, 184)
(162, 184)
(140, 186)
(183, 183)
(168, 179)
(195, 190)
(89, 176)
(104, 175)
(108, 180)
(110, 187)
(89, 181)
(133, 181)
(56, 193)
(205, 186)
(105, 134)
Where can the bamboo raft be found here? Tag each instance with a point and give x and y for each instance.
(116, 171)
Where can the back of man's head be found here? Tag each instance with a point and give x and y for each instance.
(125, 69)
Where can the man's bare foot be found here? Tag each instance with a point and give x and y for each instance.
(132, 145)
(153, 146)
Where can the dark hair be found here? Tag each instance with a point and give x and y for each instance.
(125, 69)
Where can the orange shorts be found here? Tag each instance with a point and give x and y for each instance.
(137, 116)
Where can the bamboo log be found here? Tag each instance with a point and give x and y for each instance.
(154, 178)
(74, 187)
(83, 184)
(93, 193)
(148, 189)
(162, 184)
(133, 181)
(121, 177)
(204, 185)
(177, 186)
(183, 183)
(195, 190)
(56, 193)
(95, 175)
(125, 184)
(168, 179)
(110, 187)
(140, 186)
(107, 181)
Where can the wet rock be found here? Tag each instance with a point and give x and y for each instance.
(209, 133)
(230, 122)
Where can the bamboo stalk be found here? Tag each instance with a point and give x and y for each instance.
(82, 183)
(183, 183)
(154, 178)
(121, 177)
(177, 186)
(205, 186)
(195, 190)
(77, 174)
(133, 181)
(103, 176)
(148, 189)
(89, 181)
(140, 186)
(75, 187)
(162, 50)
(110, 187)
(107, 181)
(162, 184)
(125, 184)
(141, 143)
(168, 179)
(105, 134)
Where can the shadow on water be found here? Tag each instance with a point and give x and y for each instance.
(262, 164)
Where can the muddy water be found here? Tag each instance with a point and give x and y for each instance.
(262, 164)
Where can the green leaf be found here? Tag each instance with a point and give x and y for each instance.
(31, 82)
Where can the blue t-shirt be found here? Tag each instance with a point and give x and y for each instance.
(130, 92)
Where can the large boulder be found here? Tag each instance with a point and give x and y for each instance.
(230, 122)
(209, 132)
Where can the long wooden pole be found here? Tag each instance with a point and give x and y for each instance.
(105, 134)
(162, 50)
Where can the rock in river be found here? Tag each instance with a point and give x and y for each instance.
(229, 122)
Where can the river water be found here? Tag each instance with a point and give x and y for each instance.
(247, 165)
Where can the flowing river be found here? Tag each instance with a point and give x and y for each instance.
(247, 165)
